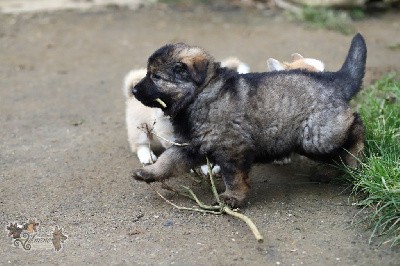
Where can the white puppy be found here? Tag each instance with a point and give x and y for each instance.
(140, 118)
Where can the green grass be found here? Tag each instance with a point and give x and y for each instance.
(394, 46)
(185, 1)
(378, 178)
(325, 18)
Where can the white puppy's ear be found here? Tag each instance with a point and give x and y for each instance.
(274, 65)
(243, 68)
(296, 57)
(235, 64)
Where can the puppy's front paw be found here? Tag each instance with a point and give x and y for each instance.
(232, 200)
(142, 174)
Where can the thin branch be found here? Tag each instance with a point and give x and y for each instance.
(170, 141)
(149, 131)
(168, 187)
(181, 207)
(213, 187)
(200, 203)
(229, 211)
(247, 220)
(220, 208)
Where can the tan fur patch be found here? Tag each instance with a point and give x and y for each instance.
(197, 66)
(191, 52)
(237, 193)
(299, 64)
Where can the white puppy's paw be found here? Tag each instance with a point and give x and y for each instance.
(145, 155)
(283, 161)
(215, 170)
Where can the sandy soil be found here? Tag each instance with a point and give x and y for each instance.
(64, 156)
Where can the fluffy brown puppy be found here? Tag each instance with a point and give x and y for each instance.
(139, 117)
(238, 119)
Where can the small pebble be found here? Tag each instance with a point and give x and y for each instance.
(169, 223)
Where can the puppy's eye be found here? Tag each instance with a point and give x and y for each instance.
(180, 68)
(155, 76)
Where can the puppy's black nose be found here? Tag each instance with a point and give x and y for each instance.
(134, 90)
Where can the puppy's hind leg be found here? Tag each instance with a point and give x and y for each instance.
(354, 147)
(349, 154)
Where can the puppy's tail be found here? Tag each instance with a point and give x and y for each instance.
(351, 75)
(131, 79)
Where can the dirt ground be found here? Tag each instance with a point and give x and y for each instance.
(65, 160)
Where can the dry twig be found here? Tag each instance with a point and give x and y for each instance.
(169, 141)
(182, 207)
(220, 208)
(148, 130)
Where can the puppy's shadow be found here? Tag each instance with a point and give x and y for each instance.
(289, 183)
(269, 183)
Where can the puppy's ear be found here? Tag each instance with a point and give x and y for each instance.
(296, 57)
(197, 67)
(274, 65)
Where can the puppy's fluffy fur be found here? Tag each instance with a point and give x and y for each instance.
(238, 119)
(298, 62)
(139, 117)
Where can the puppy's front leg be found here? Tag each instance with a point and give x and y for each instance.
(237, 185)
(174, 161)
